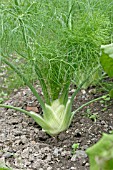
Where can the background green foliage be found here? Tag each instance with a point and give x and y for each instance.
(101, 154)
(62, 37)
(106, 60)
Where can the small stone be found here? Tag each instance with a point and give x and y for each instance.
(60, 149)
(31, 158)
(27, 163)
(87, 164)
(33, 142)
(48, 157)
(83, 91)
(15, 90)
(105, 125)
(74, 157)
(83, 97)
(8, 155)
(2, 137)
(17, 142)
(56, 152)
(2, 160)
(79, 154)
(64, 153)
(62, 136)
(84, 147)
(35, 154)
(103, 122)
(78, 133)
(72, 91)
(43, 136)
(36, 164)
(49, 168)
(83, 162)
(24, 139)
(73, 168)
(25, 153)
(92, 91)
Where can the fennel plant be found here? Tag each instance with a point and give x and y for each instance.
(36, 33)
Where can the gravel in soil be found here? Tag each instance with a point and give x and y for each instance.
(24, 146)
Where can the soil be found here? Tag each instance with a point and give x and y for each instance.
(24, 146)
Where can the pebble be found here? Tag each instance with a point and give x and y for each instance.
(83, 91)
(79, 154)
(49, 168)
(87, 164)
(25, 153)
(92, 91)
(78, 133)
(73, 168)
(74, 157)
(8, 155)
(36, 164)
(56, 152)
(62, 136)
(64, 153)
(23, 139)
(103, 122)
(48, 157)
(2, 137)
(31, 158)
(106, 126)
(83, 162)
(2, 160)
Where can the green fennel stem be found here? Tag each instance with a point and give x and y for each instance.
(43, 84)
(26, 112)
(26, 82)
(15, 108)
(94, 100)
(80, 86)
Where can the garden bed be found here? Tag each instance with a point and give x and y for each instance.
(24, 146)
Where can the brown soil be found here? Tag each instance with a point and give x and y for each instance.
(24, 146)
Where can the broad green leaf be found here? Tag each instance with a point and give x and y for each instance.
(106, 59)
(101, 153)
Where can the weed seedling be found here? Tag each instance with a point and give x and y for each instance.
(3, 97)
(92, 116)
(75, 146)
